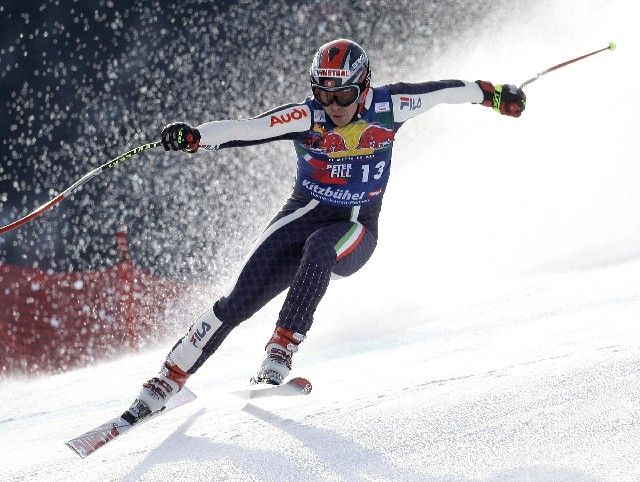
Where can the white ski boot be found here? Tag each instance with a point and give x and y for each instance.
(156, 392)
(277, 364)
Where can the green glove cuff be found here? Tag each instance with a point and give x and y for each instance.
(497, 98)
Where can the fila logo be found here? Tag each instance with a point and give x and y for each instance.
(295, 114)
(198, 335)
(319, 116)
(410, 103)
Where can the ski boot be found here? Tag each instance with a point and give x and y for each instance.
(277, 364)
(156, 392)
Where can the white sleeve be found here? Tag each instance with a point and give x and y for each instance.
(410, 100)
(273, 124)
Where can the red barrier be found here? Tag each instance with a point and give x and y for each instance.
(54, 321)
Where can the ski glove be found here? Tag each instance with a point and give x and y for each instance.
(506, 99)
(179, 136)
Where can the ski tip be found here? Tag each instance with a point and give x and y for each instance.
(82, 452)
(302, 384)
(183, 396)
(294, 386)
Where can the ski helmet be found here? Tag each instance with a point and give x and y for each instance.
(341, 67)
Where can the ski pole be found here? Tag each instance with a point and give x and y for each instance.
(49, 204)
(611, 46)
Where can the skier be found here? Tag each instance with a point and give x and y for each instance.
(343, 137)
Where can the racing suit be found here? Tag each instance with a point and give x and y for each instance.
(329, 226)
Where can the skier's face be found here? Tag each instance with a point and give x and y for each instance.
(339, 115)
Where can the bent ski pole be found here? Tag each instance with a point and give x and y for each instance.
(49, 204)
(611, 46)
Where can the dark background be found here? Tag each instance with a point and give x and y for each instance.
(84, 81)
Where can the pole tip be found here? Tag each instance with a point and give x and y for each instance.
(612, 45)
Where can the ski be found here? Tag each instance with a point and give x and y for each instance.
(89, 442)
(295, 386)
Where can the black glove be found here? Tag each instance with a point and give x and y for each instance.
(179, 136)
(506, 99)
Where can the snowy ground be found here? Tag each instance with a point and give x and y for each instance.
(537, 380)
(494, 336)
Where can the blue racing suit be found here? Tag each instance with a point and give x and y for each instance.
(329, 226)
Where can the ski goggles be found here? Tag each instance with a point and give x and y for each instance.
(344, 96)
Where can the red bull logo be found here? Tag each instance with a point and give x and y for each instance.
(333, 142)
(313, 140)
(375, 137)
(356, 139)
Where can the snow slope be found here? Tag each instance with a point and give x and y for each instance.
(536, 380)
(493, 336)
